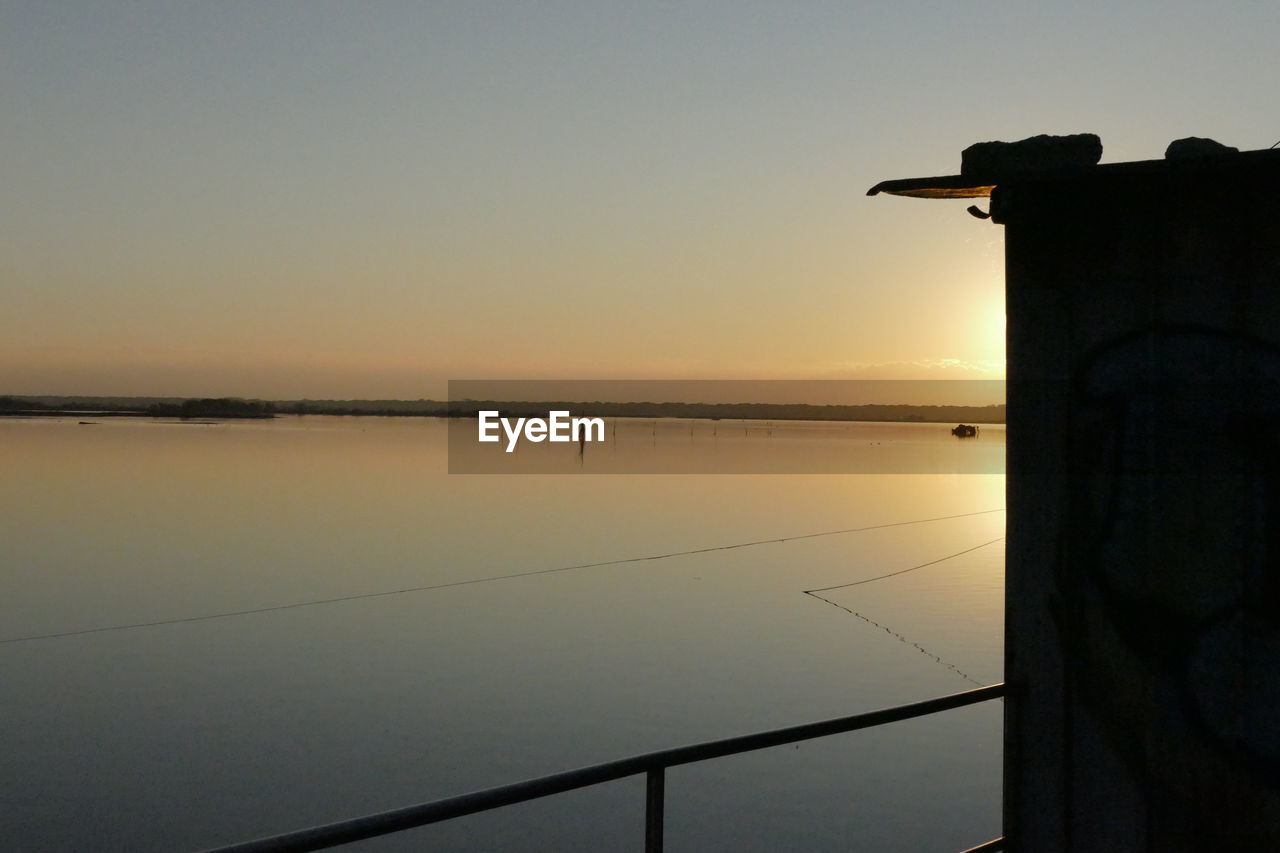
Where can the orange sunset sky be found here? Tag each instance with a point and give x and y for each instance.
(334, 199)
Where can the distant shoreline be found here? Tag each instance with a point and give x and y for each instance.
(238, 409)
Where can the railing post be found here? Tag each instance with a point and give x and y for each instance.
(653, 796)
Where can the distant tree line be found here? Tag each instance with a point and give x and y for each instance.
(15, 404)
(214, 407)
(233, 407)
(993, 414)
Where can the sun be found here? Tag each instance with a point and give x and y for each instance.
(990, 329)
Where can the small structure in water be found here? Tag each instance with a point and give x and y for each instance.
(964, 431)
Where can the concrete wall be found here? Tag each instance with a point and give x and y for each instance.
(1143, 602)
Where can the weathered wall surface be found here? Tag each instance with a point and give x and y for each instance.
(1144, 511)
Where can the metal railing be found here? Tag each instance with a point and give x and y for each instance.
(652, 764)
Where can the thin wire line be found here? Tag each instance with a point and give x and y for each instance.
(902, 571)
(935, 658)
(813, 593)
(359, 596)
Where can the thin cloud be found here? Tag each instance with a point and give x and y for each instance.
(941, 368)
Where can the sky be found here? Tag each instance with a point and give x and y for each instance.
(345, 200)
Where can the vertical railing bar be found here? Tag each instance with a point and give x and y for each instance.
(653, 808)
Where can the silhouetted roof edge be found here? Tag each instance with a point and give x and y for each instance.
(980, 186)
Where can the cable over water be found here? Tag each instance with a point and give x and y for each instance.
(937, 659)
(489, 579)
(902, 571)
(903, 639)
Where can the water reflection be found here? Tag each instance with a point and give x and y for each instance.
(679, 446)
(183, 736)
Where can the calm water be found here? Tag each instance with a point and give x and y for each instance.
(182, 736)
(688, 446)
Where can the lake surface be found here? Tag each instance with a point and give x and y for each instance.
(186, 735)
(732, 446)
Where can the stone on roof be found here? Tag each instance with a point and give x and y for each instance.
(1195, 147)
(1036, 154)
